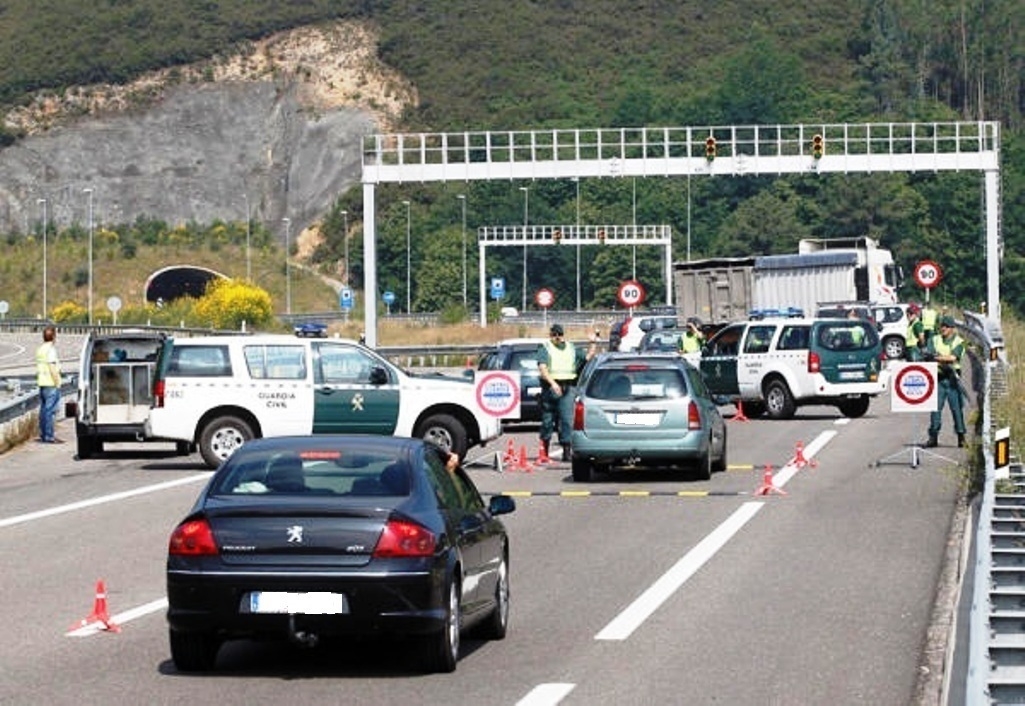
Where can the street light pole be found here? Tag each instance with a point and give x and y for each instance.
(42, 202)
(345, 228)
(462, 197)
(526, 219)
(90, 192)
(249, 220)
(577, 180)
(409, 283)
(288, 265)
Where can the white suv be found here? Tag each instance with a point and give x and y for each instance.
(633, 328)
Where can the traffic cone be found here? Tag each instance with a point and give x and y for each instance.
(799, 460)
(768, 487)
(99, 614)
(510, 453)
(739, 415)
(522, 464)
(542, 454)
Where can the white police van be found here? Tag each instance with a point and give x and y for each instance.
(219, 391)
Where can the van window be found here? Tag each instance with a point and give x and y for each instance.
(793, 338)
(199, 361)
(276, 362)
(847, 335)
(343, 365)
(758, 339)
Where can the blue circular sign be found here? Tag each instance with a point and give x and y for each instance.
(389, 298)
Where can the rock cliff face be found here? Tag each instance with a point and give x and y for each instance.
(276, 131)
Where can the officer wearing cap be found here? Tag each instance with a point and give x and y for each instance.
(692, 338)
(947, 348)
(914, 337)
(558, 363)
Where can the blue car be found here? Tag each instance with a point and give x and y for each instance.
(311, 329)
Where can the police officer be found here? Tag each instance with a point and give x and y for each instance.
(692, 338)
(914, 338)
(930, 318)
(947, 348)
(558, 363)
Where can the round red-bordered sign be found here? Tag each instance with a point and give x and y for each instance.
(916, 389)
(631, 293)
(498, 393)
(544, 297)
(927, 274)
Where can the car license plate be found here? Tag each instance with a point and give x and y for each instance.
(852, 375)
(314, 603)
(638, 419)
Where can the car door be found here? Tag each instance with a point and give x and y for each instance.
(719, 360)
(354, 392)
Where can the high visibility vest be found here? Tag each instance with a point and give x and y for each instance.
(911, 337)
(929, 316)
(690, 342)
(562, 362)
(45, 356)
(943, 348)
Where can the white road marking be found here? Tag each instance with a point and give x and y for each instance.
(81, 504)
(120, 619)
(623, 625)
(546, 694)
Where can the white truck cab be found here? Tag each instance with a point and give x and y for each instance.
(219, 391)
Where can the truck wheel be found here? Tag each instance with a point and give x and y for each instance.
(894, 347)
(854, 408)
(221, 438)
(444, 430)
(779, 401)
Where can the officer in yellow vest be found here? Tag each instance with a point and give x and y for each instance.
(930, 318)
(692, 338)
(558, 363)
(947, 349)
(914, 337)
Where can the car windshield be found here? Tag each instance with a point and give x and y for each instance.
(313, 471)
(636, 382)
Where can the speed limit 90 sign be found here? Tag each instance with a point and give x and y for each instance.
(928, 274)
(631, 293)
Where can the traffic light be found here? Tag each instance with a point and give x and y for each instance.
(556, 236)
(818, 147)
(710, 148)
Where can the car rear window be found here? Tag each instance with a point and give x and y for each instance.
(636, 383)
(846, 335)
(313, 472)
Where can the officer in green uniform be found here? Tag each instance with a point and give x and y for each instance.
(692, 339)
(558, 363)
(947, 348)
(914, 338)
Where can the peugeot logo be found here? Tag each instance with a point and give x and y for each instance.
(295, 534)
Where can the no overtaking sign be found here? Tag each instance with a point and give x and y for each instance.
(914, 387)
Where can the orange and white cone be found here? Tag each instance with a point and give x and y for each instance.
(799, 460)
(522, 464)
(510, 453)
(768, 487)
(542, 454)
(99, 614)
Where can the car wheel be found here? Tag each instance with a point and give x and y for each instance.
(496, 624)
(720, 463)
(221, 438)
(894, 347)
(442, 649)
(854, 408)
(445, 431)
(583, 470)
(193, 651)
(779, 402)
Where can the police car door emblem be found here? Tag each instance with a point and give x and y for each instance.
(357, 402)
(295, 534)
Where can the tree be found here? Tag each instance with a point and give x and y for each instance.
(230, 303)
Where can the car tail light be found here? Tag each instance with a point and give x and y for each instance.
(158, 393)
(192, 538)
(693, 416)
(814, 362)
(402, 538)
(578, 416)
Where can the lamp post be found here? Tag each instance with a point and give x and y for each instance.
(577, 181)
(249, 220)
(42, 202)
(409, 262)
(288, 265)
(634, 249)
(526, 219)
(89, 191)
(345, 237)
(462, 197)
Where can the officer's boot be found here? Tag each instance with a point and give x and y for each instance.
(544, 446)
(960, 441)
(567, 453)
(932, 442)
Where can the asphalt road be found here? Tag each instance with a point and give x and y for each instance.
(647, 589)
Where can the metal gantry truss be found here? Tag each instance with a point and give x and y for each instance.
(823, 148)
(572, 235)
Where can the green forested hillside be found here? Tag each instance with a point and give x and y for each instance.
(486, 64)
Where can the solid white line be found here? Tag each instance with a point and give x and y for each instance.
(546, 694)
(120, 618)
(648, 602)
(61, 509)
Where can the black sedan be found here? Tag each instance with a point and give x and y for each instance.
(303, 537)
